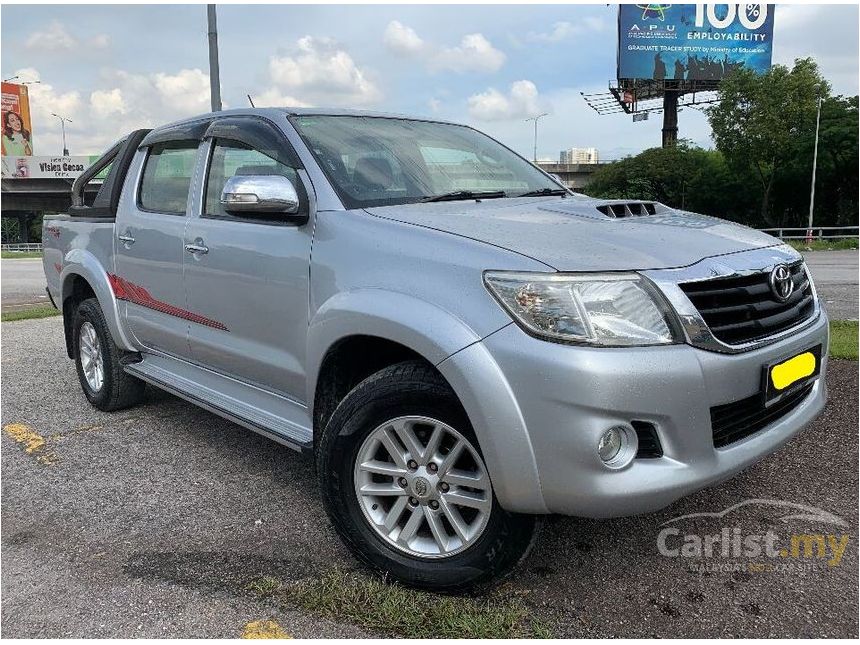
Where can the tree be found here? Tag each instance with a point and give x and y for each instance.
(758, 118)
(684, 176)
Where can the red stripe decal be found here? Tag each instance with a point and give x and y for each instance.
(130, 292)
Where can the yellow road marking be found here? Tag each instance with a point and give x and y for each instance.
(264, 629)
(792, 370)
(32, 442)
(26, 436)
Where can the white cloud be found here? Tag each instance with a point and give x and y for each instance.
(563, 30)
(126, 102)
(320, 71)
(187, 90)
(107, 102)
(271, 97)
(474, 53)
(56, 38)
(521, 102)
(402, 39)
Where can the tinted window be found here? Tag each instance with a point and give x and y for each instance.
(229, 159)
(167, 177)
(381, 161)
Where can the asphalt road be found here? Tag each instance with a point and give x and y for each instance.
(835, 274)
(151, 522)
(23, 284)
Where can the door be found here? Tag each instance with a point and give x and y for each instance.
(149, 253)
(249, 274)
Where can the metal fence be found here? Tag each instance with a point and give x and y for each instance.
(815, 233)
(22, 248)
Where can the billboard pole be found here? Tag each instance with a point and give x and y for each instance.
(670, 118)
(214, 72)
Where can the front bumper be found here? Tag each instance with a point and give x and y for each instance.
(559, 399)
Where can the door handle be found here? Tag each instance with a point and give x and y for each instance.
(126, 239)
(197, 248)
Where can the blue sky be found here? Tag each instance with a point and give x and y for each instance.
(112, 68)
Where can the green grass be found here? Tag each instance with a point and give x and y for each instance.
(843, 339)
(394, 610)
(29, 314)
(19, 255)
(824, 245)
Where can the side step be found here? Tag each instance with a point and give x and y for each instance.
(269, 414)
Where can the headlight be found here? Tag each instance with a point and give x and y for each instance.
(612, 309)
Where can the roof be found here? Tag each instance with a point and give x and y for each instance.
(298, 111)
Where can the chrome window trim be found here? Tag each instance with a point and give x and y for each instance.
(696, 330)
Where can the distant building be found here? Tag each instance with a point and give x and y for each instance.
(579, 155)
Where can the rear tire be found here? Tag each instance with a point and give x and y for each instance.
(414, 395)
(97, 359)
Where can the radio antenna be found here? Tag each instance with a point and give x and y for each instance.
(251, 101)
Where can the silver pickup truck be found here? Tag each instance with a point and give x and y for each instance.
(460, 342)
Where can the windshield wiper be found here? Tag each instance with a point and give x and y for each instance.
(465, 194)
(540, 192)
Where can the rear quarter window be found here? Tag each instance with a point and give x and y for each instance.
(167, 177)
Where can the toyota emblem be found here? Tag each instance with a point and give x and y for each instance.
(781, 282)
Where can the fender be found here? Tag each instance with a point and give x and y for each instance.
(80, 262)
(451, 345)
(424, 328)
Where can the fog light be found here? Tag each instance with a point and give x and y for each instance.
(617, 446)
(610, 444)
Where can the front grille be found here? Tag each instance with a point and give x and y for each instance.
(735, 421)
(743, 309)
(649, 442)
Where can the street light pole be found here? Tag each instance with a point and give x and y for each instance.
(814, 165)
(63, 121)
(214, 71)
(535, 119)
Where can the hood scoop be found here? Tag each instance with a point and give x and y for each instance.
(618, 210)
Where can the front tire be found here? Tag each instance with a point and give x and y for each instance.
(97, 359)
(404, 483)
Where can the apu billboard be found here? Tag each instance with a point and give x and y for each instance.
(693, 41)
(17, 131)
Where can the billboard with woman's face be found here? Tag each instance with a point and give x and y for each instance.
(17, 130)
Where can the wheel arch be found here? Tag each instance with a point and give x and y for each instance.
(409, 328)
(83, 276)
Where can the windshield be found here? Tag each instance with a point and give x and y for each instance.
(377, 161)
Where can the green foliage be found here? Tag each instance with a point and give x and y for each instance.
(846, 244)
(20, 255)
(29, 314)
(759, 117)
(397, 611)
(684, 177)
(843, 339)
(760, 172)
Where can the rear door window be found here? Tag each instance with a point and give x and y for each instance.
(167, 177)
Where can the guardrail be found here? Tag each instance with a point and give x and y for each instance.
(815, 233)
(22, 248)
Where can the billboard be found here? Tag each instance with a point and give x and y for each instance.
(29, 167)
(17, 128)
(693, 42)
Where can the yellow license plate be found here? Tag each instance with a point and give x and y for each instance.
(793, 372)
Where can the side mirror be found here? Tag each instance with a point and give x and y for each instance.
(265, 194)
